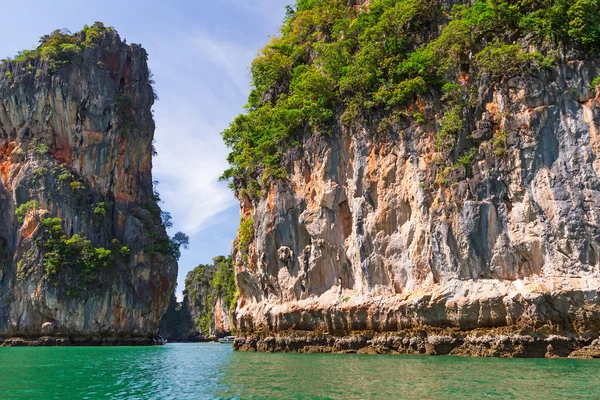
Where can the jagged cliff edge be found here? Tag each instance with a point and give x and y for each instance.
(382, 239)
(84, 256)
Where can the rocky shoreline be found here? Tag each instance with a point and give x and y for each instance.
(463, 223)
(76, 341)
(478, 343)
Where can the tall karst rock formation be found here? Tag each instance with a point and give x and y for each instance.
(84, 257)
(422, 177)
(204, 313)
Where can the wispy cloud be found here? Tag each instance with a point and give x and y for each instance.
(200, 53)
(188, 166)
(191, 153)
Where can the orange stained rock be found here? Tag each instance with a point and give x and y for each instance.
(124, 196)
(64, 156)
(120, 315)
(29, 226)
(272, 195)
(112, 62)
(145, 164)
(6, 164)
(123, 187)
(116, 310)
(5, 168)
(372, 163)
(10, 148)
(463, 78)
(492, 108)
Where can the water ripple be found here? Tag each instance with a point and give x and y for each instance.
(208, 371)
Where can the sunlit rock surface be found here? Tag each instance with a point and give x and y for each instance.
(94, 115)
(360, 249)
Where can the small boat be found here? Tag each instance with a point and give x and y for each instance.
(227, 339)
(159, 341)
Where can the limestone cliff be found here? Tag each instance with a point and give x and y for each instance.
(406, 235)
(85, 258)
(204, 313)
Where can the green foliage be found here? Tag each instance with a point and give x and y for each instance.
(575, 21)
(93, 34)
(39, 173)
(169, 246)
(41, 149)
(206, 284)
(67, 176)
(9, 76)
(77, 252)
(596, 82)
(161, 246)
(60, 46)
(100, 209)
(76, 185)
(499, 143)
(125, 251)
(176, 323)
(64, 173)
(223, 281)
(500, 59)
(466, 159)
(57, 48)
(29, 208)
(451, 123)
(203, 322)
(21, 270)
(442, 176)
(331, 57)
(326, 55)
(245, 234)
(124, 106)
(419, 118)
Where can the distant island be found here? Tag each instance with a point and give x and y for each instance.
(204, 314)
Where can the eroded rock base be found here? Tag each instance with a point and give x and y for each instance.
(480, 343)
(76, 341)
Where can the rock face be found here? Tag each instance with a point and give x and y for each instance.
(208, 294)
(204, 313)
(218, 320)
(76, 142)
(176, 324)
(359, 249)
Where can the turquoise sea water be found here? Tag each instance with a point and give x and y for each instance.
(207, 371)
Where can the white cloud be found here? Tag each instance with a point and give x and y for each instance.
(188, 165)
(190, 115)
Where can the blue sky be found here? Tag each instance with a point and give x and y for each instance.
(199, 52)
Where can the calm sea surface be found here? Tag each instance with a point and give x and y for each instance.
(199, 371)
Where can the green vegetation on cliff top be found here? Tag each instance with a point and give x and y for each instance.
(333, 59)
(59, 46)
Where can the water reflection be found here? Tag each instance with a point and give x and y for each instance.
(198, 371)
(408, 377)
